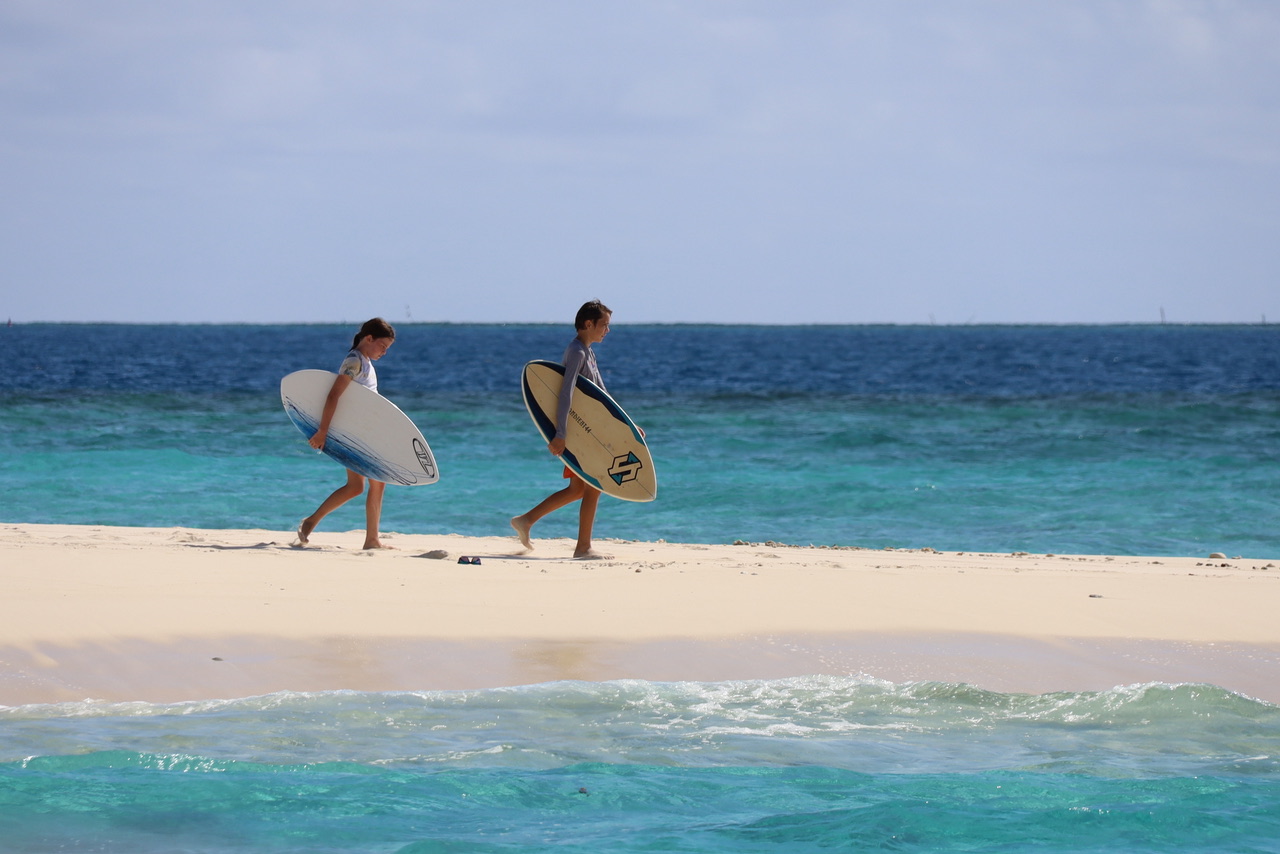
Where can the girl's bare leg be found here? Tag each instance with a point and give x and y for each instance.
(353, 487)
(373, 514)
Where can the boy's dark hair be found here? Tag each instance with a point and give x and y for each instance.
(377, 327)
(593, 310)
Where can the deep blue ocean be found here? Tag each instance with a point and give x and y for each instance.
(1156, 440)
(1153, 440)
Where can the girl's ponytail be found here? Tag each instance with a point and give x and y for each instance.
(377, 327)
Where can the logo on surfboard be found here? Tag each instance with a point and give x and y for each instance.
(425, 459)
(625, 468)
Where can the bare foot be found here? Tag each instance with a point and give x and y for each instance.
(305, 527)
(370, 545)
(591, 554)
(522, 527)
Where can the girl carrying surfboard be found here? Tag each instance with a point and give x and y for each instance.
(371, 343)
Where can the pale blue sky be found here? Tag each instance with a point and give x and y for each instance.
(703, 160)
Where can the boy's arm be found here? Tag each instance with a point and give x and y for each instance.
(572, 365)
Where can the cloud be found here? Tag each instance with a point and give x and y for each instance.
(1083, 161)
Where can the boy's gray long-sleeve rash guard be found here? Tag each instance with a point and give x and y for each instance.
(578, 359)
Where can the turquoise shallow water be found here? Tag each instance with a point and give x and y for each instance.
(792, 765)
(1124, 440)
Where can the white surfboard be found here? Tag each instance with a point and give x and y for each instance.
(603, 446)
(369, 434)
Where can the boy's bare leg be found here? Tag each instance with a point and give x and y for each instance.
(522, 524)
(554, 501)
(586, 521)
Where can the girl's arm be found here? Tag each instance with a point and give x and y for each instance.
(330, 406)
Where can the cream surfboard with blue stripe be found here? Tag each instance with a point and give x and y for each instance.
(603, 446)
(369, 434)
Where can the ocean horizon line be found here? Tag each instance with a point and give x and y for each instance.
(1117, 324)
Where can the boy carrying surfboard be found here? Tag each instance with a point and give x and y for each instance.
(592, 325)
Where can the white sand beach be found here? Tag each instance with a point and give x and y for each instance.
(175, 614)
